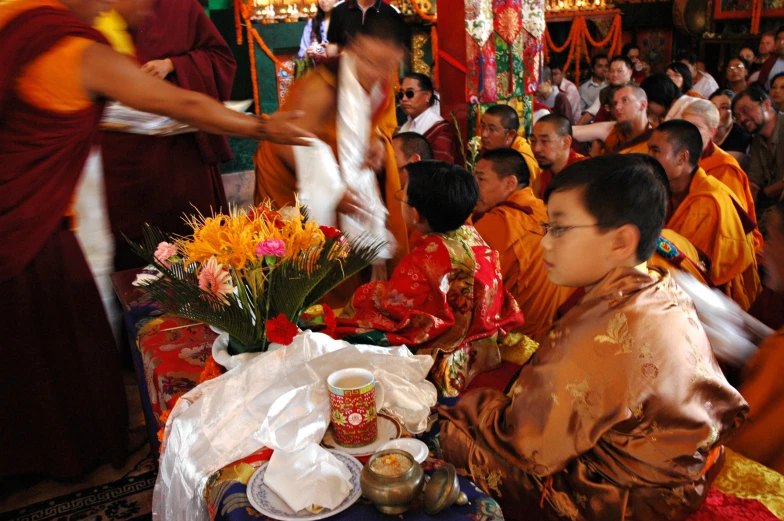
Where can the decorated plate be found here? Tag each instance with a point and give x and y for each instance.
(388, 429)
(270, 504)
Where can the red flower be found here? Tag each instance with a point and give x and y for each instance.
(330, 323)
(329, 232)
(280, 330)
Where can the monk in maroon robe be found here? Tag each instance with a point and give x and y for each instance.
(156, 179)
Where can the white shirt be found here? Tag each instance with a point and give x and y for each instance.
(706, 85)
(589, 93)
(573, 95)
(423, 122)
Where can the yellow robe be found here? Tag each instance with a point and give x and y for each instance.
(708, 219)
(617, 143)
(277, 181)
(521, 145)
(516, 235)
(762, 438)
(115, 29)
(726, 169)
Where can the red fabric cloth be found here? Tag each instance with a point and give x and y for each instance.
(719, 506)
(444, 143)
(42, 153)
(157, 179)
(767, 66)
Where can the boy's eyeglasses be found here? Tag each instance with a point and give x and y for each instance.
(557, 231)
(410, 93)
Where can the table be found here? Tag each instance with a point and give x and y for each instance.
(171, 353)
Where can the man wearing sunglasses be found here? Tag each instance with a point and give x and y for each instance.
(419, 103)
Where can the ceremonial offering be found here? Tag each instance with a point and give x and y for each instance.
(418, 449)
(392, 480)
(389, 430)
(352, 401)
(252, 274)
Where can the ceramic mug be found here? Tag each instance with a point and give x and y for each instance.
(352, 403)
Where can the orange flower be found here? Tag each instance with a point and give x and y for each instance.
(212, 369)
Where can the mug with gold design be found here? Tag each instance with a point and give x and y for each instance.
(352, 401)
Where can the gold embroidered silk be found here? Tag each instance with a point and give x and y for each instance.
(620, 415)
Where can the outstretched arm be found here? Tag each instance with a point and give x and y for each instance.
(111, 75)
(592, 132)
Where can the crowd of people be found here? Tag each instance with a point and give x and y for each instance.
(553, 250)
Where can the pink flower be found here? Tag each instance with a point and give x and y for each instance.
(273, 247)
(214, 279)
(164, 252)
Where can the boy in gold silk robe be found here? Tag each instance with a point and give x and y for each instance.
(446, 297)
(622, 411)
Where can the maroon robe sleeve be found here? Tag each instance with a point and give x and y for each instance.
(203, 62)
(444, 143)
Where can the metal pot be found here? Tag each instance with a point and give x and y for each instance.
(392, 494)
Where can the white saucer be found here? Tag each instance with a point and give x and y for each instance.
(418, 449)
(388, 429)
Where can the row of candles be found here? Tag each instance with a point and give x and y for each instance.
(575, 5)
(270, 11)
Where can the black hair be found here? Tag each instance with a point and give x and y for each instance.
(413, 143)
(425, 84)
(619, 189)
(563, 127)
(722, 92)
(508, 115)
(777, 76)
(624, 59)
(628, 47)
(687, 55)
(683, 135)
(444, 194)
(683, 70)
(555, 63)
(315, 26)
(386, 28)
(508, 161)
(596, 57)
(660, 89)
(755, 92)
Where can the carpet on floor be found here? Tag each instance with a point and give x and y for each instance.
(127, 499)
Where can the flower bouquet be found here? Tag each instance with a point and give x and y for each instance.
(251, 274)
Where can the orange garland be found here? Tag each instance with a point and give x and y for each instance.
(579, 39)
(253, 34)
(756, 13)
(434, 52)
(424, 16)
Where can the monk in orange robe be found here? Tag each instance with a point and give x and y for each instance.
(551, 142)
(719, 164)
(706, 213)
(675, 252)
(623, 410)
(317, 95)
(499, 129)
(762, 439)
(631, 129)
(510, 218)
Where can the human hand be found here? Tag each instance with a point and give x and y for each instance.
(313, 50)
(158, 68)
(280, 128)
(376, 155)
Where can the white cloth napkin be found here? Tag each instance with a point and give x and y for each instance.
(308, 477)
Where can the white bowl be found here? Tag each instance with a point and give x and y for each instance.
(417, 449)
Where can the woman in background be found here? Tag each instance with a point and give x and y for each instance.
(777, 91)
(737, 74)
(314, 36)
(680, 74)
